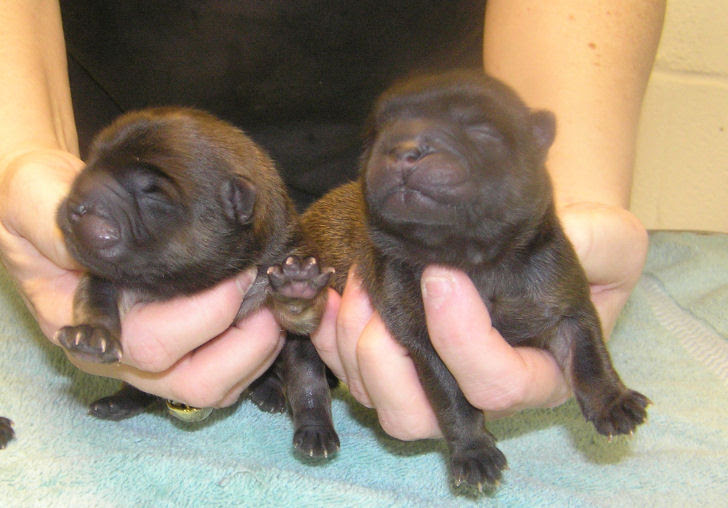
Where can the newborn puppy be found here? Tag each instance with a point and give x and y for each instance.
(173, 201)
(6, 431)
(454, 175)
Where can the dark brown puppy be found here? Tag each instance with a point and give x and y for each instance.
(172, 201)
(454, 175)
(6, 431)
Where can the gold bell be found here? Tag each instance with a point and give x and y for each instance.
(188, 414)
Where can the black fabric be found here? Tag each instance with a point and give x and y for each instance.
(298, 76)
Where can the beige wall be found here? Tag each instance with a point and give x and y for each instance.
(681, 171)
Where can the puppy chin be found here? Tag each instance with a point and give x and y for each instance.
(103, 260)
(428, 194)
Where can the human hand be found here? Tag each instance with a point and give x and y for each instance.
(495, 377)
(186, 349)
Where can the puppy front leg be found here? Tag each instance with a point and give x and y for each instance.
(94, 335)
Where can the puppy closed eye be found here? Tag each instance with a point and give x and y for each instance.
(486, 133)
(153, 187)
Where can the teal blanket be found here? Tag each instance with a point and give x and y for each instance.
(670, 343)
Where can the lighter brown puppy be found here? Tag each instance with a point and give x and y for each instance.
(173, 201)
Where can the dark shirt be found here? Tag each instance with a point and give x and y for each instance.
(298, 76)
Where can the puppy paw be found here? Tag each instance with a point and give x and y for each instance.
(267, 394)
(6, 431)
(120, 406)
(90, 343)
(619, 413)
(299, 278)
(478, 465)
(315, 441)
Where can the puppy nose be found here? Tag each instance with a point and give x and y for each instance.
(91, 229)
(407, 152)
(96, 232)
(76, 211)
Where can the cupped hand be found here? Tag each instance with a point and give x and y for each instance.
(495, 377)
(186, 349)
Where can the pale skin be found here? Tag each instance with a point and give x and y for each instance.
(202, 359)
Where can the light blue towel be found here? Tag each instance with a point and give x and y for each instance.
(670, 343)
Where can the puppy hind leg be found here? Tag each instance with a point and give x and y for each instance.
(307, 390)
(125, 403)
(266, 392)
(475, 461)
(604, 399)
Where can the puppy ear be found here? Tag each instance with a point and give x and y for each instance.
(543, 126)
(238, 199)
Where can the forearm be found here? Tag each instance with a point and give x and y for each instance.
(35, 99)
(589, 62)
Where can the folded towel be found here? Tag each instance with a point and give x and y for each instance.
(671, 343)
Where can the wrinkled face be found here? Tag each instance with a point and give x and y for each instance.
(458, 163)
(424, 169)
(160, 206)
(122, 217)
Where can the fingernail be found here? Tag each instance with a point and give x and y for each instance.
(245, 279)
(436, 288)
(352, 278)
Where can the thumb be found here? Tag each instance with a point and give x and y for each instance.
(461, 331)
(611, 242)
(41, 179)
(493, 375)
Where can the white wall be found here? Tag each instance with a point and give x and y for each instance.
(681, 170)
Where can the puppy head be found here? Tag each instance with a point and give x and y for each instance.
(456, 159)
(169, 197)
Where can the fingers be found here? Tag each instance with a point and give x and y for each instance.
(156, 335)
(31, 245)
(611, 244)
(216, 373)
(391, 381)
(29, 209)
(324, 338)
(354, 343)
(493, 375)
(354, 313)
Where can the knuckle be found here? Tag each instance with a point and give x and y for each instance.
(368, 346)
(201, 393)
(148, 353)
(502, 398)
(348, 324)
(325, 343)
(503, 401)
(360, 395)
(228, 400)
(405, 426)
(357, 390)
